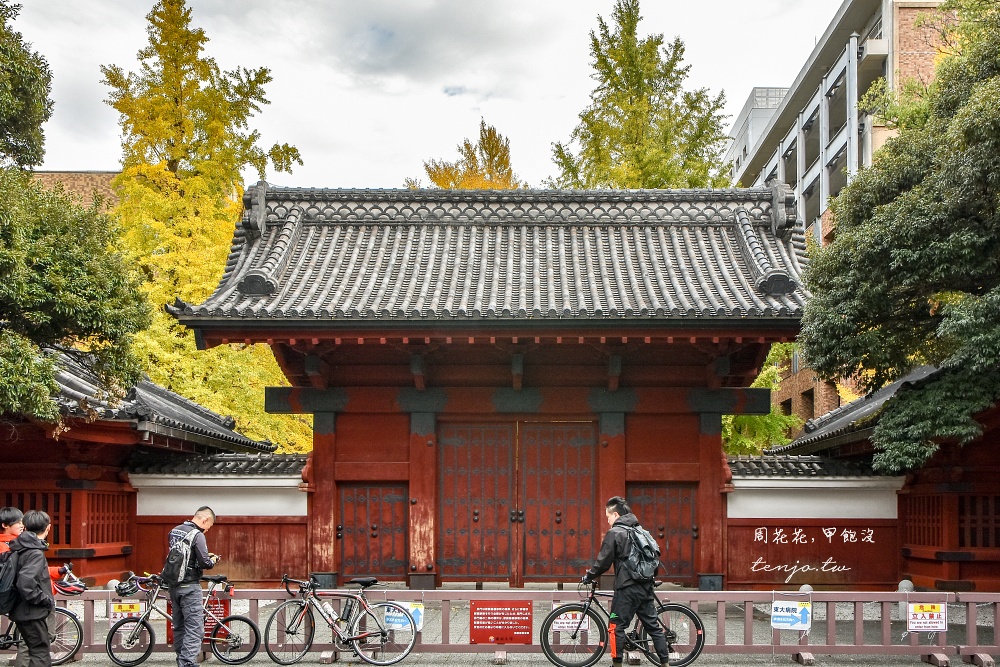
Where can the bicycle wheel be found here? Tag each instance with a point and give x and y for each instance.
(684, 630)
(574, 635)
(289, 632)
(386, 633)
(235, 640)
(65, 635)
(130, 641)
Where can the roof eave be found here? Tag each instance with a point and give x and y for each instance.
(237, 443)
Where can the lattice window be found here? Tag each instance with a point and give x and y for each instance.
(979, 521)
(107, 517)
(923, 521)
(57, 504)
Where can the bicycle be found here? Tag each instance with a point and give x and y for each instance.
(382, 633)
(576, 634)
(65, 629)
(234, 639)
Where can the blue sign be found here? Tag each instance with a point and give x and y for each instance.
(787, 615)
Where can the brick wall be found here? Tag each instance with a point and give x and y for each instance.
(806, 396)
(82, 184)
(915, 46)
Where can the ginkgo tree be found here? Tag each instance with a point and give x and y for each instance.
(642, 128)
(484, 165)
(186, 136)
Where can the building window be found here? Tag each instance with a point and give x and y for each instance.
(808, 404)
(786, 407)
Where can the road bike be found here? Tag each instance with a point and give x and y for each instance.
(65, 629)
(576, 634)
(234, 639)
(382, 633)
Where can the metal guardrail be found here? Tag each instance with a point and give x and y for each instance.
(736, 622)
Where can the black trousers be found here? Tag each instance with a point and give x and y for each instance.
(629, 602)
(35, 635)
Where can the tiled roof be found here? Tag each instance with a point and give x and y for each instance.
(152, 407)
(853, 421)
(467, 256)
(788, 465)
(289, 465)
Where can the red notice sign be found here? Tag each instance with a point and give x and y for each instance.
(216, 605)
(500, 622)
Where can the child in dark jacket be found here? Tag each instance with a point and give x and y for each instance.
(34, 588)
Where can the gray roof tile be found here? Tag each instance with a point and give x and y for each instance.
(221, 464)
(449, 255)
(789, 465)
(150, 406)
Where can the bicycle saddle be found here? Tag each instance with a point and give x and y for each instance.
(217, 578)
(363, 582)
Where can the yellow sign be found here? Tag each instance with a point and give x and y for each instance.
(126, 609)
(927, 617)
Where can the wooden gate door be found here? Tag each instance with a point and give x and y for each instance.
(668, 512)
(476, 480)
(516, 501)
(372, 530)
(557, 495)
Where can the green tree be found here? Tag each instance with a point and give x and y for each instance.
(484, 165)
(186, 137)
(751, 434)
(61, 288)
(25, 83)
(642, 129)
(913, 276)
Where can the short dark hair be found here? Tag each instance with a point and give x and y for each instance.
(36, 521)
(10, 515)
(205, 511)
(618, 505)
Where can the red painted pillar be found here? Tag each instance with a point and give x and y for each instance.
(711, 499)
(323, 514)
(610, 460)
(421, 572)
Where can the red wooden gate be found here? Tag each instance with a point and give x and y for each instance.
(516, 501)
(558, 488)
(373, 529)
(667, 510)
(476, 477)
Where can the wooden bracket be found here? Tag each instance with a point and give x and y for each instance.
(417, 367)
(614, 371)
(517, 369)
(317, 370)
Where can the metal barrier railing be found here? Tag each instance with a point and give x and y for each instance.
(736, 622)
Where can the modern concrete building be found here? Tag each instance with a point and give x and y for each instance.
(815, 138)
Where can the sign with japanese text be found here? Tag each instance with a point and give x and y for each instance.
(120, 610)
(500, 622)
(791, 615)
(927, 617)
(396, 621)
(570, 621)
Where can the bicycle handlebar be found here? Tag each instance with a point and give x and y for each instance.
(303, 585)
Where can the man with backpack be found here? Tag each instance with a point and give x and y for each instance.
(185, 583)
(634, 581)
(34, 587)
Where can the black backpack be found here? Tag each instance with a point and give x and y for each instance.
(178, 558)
(8, 577)
(643, 557)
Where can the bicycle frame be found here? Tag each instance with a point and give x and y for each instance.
(307, 592)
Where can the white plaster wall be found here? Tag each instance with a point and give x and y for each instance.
(159, 495)
(805, 499)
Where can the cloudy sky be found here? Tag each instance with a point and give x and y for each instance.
(369, 89)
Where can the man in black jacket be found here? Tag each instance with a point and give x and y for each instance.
(34, 587)
(185, 597)
(632, 597)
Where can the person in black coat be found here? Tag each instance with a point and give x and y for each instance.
(34, 588)
(632, 598)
